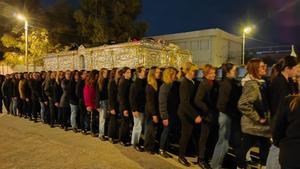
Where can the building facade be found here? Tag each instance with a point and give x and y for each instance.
(213, 46)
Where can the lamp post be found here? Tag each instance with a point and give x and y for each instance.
(246, 31)
(23, 18)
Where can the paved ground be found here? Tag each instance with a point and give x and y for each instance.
(28, 145)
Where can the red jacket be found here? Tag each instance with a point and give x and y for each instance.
(89, 95)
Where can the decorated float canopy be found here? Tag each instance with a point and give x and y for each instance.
(131, 54)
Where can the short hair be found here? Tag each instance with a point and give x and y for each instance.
(207, 68)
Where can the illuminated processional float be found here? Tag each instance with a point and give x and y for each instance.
(130, 54)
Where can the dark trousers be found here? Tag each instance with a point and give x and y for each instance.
(112, 127)
(151, 134)
(249, 141)
(1, 104)
(186, 132)
(66, 111)
(7, 103)
(26, 108)
(163, 144)
(53, 112)
(124, 130)
(205, 130)
(35, 109)
(20, 107)
(84, 125)
(92, 118)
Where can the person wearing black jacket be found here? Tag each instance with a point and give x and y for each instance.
(15, 95)
(280, 87)
(58, 94)
(124, 106)
(74, 101)
(84, 125)
(206, 102)
(50, 92)
(1, 94)
(65, 100)
(230, 91)
(113, 104)
(35, 96)
(187, 110)
(102, 101)
(285, 132)
(137, 102)
(7, 92)
(152, 111)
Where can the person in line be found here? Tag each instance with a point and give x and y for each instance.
(35, 96)
(137, 98)
(6, 89)
(187, 111)
(74, 101)
(124, 106)
(65, 100)
(253, 104)
(152, 111)
(84, 125)
(58, 79)
(2, 77)
(229, 116)
(50, 93)
(102, 101)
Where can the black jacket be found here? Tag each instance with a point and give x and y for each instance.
(7, 88)
(169, 100)
(65, 98)
(58, 92)
(79, 89)
(15, 88)
(230, 92)
(152, 101)
(187, 108)
(206, 99)
(123, 94)
(73, 97)
(35, 86)
(113, 95)
(279, 88)
(286, 133)
(137, 95)
(49, 89)
(101, 94)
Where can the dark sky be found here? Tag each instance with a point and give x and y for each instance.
(277, 21)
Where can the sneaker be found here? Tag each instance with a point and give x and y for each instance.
(184, 161)
(102, 138)
(138, 148)
(164, 154)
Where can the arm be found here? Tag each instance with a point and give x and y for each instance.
(199, 98)
(223, 98)
(163, 101)
(150, 95)
(186, 99)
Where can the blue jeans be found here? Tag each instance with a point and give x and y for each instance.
(137, 129)
(222, 145)
(74, 111)
(102, 116)
(273, 158)
(43, 109)
(14, 106)
(164, 138)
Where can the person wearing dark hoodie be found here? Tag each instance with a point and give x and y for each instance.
(2, 77)
(187, 111)
(230, 91)
(7, 92)
(280, 87)
(65, 100)
(137, 98)
(254, 107)
(124, 106)
(102, 101)
(168, 105)
(113, 104)
(15, 94)
(152, 111)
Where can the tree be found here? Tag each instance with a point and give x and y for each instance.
(101, 21)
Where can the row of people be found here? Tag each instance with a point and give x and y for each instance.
(162, 105)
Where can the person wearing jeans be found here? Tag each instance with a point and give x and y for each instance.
(74, 101)
(137, 102)
(102, 101)
(74, 112)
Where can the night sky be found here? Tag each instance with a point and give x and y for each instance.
(277, 21)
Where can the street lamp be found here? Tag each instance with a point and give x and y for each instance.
(246, 30)
(23, 18)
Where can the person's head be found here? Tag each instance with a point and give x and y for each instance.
(102, 75)
(287, 65)
(48, 76)
(112, 73)
(53, 75)
(189, 69)
(169, 75)
(84, 74)
(91, 78)
(229, 70)
(68, 75)
(126, 73)
(209, 72)
(141, 72)
(118, 74)
(35, 76)
(153, 76)
(76, 76)
(256, 68)
(275, 71)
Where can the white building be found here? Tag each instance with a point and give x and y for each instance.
(213, 46)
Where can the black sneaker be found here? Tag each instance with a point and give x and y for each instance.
(66, 128)
(184, 161)
(204, 165)
(75, 130)
(94, 135)
(113, 141)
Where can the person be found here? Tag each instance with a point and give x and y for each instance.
(89, 95)
(152, 111)
(286, 132)
(2, 77)
(6, 89)
(168, 99)
(253, 105)
(50, 93)
(205, 101)
(137, 98)
(74, 101)
(113, 104)
(280, 87)
(65, 100)
(84, 125)
(187, 111)
(229, 115)
(15, 94)
(58, 93)
(124, 106)
(102, 101)
(35, 96)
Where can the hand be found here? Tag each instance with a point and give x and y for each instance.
(262, 121)
(27, 100)
(136, 114)
(125, 113)
(46, 103)
(89, 109)
(56, 104)
(113, 112)
(198, 120)
(155, 119)
(98, 110)
(166, 122)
